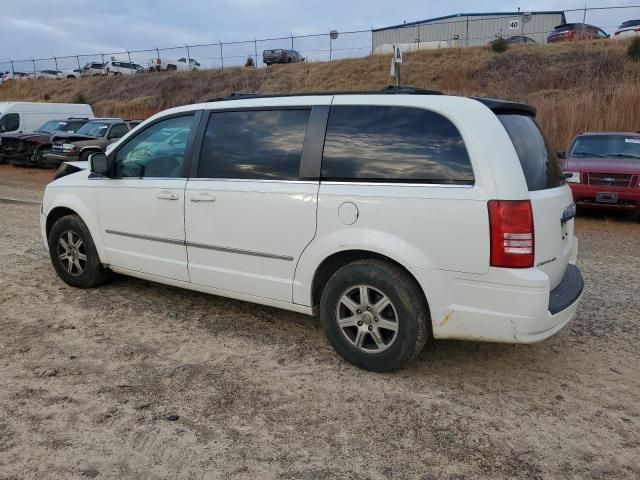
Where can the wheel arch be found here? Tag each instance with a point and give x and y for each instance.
(85, 208)
(337, 260)
(56, 214)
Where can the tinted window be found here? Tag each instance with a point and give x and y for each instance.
(539, 163)
(630, 23)
(74, 126)
(254, 145)
(10, 122)
(157, 151)
(393, 144)
(118, 131)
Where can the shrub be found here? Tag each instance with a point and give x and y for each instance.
(499, 45)
(46, 97)
(634, 50)
(79, 97)
(250, 62)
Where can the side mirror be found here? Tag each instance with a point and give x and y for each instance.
(98, 164)
(562, 155)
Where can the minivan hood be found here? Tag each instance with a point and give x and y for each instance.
(603, 165)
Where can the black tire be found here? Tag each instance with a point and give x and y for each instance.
(92, 272)
(407, 304)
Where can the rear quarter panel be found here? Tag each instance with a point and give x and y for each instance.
(432, 227)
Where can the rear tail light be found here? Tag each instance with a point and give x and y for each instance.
(637, 29)
(511, 230)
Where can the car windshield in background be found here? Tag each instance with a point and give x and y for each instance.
(630, 23)
(57, 126)
(94, 129)
(539, 163)
(52, 126)
(606, 146)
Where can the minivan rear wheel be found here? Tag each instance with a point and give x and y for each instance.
(374, 315)
(74, 255)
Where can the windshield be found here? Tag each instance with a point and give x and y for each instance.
(52, 126)
(606, 146)
(630, 23)
(94, 129)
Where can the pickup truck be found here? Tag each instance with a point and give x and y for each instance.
(603, 170)
(158, 64)
(280, 55)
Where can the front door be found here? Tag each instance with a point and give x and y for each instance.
(248, 216)
(141, 208)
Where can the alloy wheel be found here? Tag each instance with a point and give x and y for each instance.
(367, 318)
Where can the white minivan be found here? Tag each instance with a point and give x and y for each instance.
(397, 215)
(21, 117)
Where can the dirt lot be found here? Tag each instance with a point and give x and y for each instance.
(89, 380)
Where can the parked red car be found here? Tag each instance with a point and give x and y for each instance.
(576, 31)
(603, 170)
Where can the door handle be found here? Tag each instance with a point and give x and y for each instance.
(202, 197)
(167, 196)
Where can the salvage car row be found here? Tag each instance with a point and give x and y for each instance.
(47, 134)
(117, 66)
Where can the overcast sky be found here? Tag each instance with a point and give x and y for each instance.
(42, 28)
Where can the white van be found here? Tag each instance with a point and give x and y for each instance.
(21, 117)
(394, 214)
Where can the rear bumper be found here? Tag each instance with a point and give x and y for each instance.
(504, 305)
(586, 196)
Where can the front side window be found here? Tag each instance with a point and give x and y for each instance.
(118, 131)
(157, 151)
(394, 144)
(10, 122)
(254, 144)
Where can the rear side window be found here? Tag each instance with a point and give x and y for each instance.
(254, 144)
(393, 144)
(539, 163)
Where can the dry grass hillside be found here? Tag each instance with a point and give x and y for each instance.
(579, 86)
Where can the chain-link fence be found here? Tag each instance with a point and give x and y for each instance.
(454, 31)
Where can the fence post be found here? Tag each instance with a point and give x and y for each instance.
(221, 57)
(584, 20)
(188, 57)
(55, 60)
(157, 52)
(102, 55)
(330, 46)
(292, 41)
(255, 50)
(129, 55)
(34, 65)
(78, 58)
(13, 71)
(466, 37)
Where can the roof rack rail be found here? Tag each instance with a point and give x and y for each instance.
(388, 90)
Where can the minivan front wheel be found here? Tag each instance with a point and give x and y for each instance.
(374, 315)
(74, 255)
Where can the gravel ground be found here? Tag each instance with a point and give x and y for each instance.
(141, 381)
